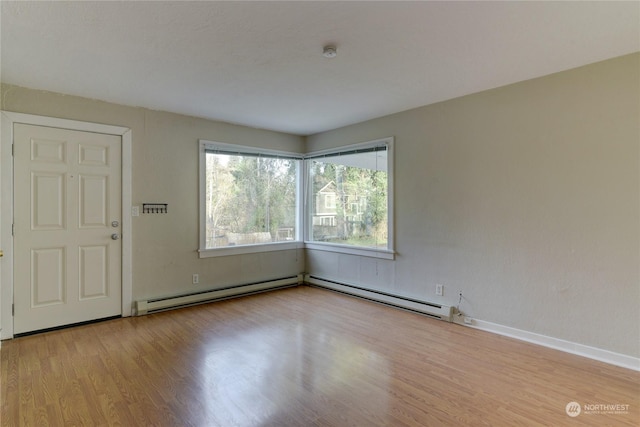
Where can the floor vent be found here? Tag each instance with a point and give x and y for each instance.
(160, 304)
(437, 311)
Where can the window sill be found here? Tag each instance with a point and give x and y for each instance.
(249, 249)
(351, 250)
(285, 246)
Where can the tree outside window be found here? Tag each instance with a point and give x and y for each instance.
(250, 199)
(350, 198)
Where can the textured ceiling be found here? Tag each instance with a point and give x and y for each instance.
(260, 63)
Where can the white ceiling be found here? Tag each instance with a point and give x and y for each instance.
(260, 63)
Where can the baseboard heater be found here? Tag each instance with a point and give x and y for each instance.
(437, 311)
(160, 304)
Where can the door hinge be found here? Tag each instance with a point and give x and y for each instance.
(13, 309)
(13, 150)
(13, 229)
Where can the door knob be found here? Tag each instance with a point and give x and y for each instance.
(115, 236)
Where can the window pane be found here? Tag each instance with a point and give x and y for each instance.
(349, 199)
(249, 199)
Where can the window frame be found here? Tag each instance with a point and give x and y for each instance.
(203, 251)
(304, 221)
(389, 252)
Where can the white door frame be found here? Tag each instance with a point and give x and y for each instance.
(6, 206)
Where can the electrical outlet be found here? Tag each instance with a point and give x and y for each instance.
(468, 320)
(440, 290)
(135, 210)
(195, 279)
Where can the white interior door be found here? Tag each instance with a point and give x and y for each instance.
(67, 225)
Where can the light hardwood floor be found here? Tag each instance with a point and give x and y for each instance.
(299, 357)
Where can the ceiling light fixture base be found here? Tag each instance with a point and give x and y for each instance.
(329, 52)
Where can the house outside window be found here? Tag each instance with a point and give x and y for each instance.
(251, 199)
(350, 196)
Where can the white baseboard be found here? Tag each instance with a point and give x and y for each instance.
(606, 356)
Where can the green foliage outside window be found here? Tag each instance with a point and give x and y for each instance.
(250, 199)
(359, 216)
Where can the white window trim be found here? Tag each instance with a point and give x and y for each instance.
(389, 252)
(350, 250)
(249, 249)
(304, 221)
(204, 252)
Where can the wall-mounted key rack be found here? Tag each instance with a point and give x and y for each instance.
(151, 208)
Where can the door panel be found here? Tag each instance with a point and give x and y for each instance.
(94, 276)
(48, 198)
(67, 268)
(94, 201)
(48, 271)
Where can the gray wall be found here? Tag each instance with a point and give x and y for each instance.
(165, 169)
(525, 198)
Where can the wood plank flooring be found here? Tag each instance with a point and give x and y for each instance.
(300, 357)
